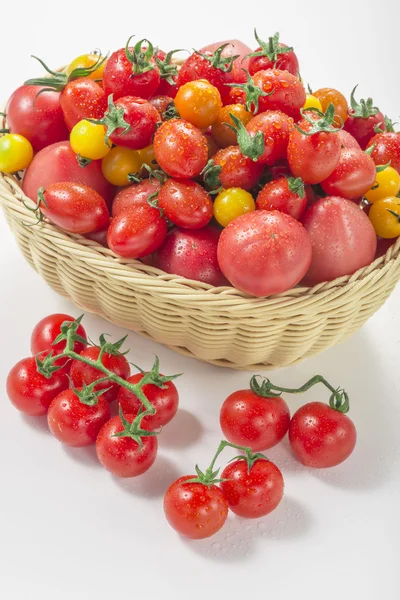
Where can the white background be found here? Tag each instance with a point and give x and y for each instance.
(70, 530)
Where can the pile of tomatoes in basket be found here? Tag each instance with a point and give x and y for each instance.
(221, 169)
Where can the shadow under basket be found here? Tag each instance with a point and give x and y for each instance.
(220, 325)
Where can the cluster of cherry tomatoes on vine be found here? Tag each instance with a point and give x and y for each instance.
(195, 168)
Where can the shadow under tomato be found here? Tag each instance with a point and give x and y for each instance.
(153, 483)
(37, 423)
(86, 456)
(184, 430)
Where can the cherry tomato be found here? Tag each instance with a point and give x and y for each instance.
(273, 55)
(321, 436)
(198, 102)
(75, 423)
(250, 420)
(84, 374)
(353, 176)
(185, 203)
(29, 391)
(231, 203)
(123, 456)
(342, 239)
(387, 183)
(279, 247)
(139, 119)
(362, 120)
(238, 171)
(327, 96)
(161, 103)
(276, 128)
(136, 232)
(39, 119)
(135, 195)
(180, 148)
(385, 217)
(347, 141)
(88, 140)
(88, 60)
(287, 95)
(48, 329)
(233, 48)
(221, 133)
(16, 153)
(195, 510)
(165, 400)
(191, 254)
(81, 99)
(211, 145)
(254, 492)
(98, 236)
(386, 148)
(74, 207)
(119, 163)
(284, 194)
(313, 102)
(147, 156)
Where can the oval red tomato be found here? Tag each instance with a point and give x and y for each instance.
(141, 119)
(134, 195)
(386, 149)
(237, 170)
(82, 98)
(137, 231)
(185, 203)
(276, 127)
(353, 176)
(287, 195)
(180, 149)
(286, 92)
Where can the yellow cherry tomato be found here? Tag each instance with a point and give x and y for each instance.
(312, 102)
(16, 153)
(198, 102)
(118, 163)
(385, 217)
(387, 183)
(147, 156)
(88, 60)
(221, 133)
(88, 140)
(231, 203)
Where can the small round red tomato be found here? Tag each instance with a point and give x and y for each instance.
(279, 247)
(134, 196)
(353, 176)
(252, 492)
(285, 194)
(342, 237)
(122, 455)
(221, 133)
(75, 423)
(238, 171)
(74, 207)
(248, 419)
(138, 122)
(321, 436)
(234, 48)
(386, 148)
(137, 231)
(362, 120)
(161, 103)
(29, 391)
(48, 329)
(273, 55)
(347, 141)
(286, 92)
(185, 203)
(198, 102)
(328, 96)
(165, 400)
(180, 149)
(195, 510)
(191, 254)
(276, 128)
(83, 374)
(385, 217)
(81, 99)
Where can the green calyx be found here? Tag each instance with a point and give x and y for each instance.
(322, 125)
(251, 146)
(107, 347)
(211, 180)
(155, 375)
(381, 168)
(47, 367)
(370, 150)
(168, 70)
(87, 394)
(69, 329)
(140, 58)
(296, 186)
(364, 108)
(58, 81)
(112, 120)
(171, 112)
(36, 210)
(82, 161)
(133, 430)
(153, 175)
(392, 212)
(223, 63)
(388, 126)
(252, 92)
(270, 49)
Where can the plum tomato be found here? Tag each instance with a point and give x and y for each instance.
(362, 120)
(180, 149)
(237, 170)
(286, 194)
(347, 141)
(134, 195)
(276, 128)
(48, 329)
(88, 140)
(386, 148)
(231, 203)
(221, 133)
(198, 102)
(16, 153)
(387, 183)
(353, 176)
(385, 217)
(273, 55)
(285, 92)
(185, 203)
(327, 96)
(137, 231)
(119, 163)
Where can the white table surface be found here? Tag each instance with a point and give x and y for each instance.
(68, 529)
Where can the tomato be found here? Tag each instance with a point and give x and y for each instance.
(119, 163)
(286, 92)
(123, 456)
(362, 120)
(211, 145)
(195, 510)
(81, 99)
(237, 171)
(191, 254)
(279, 247)
(284, 194)
(58, 163)
(147, 157)
(131, 122)
(98, 236)
(328, 96)
(74, 207)
(87, 140)
(136, 232)
(161, 104)
(135, 195)
(48, 329)
(165, 400)
(231, 203)
(387, 183)
(386, 148)
(16, 153)
(321, 436)
(180, 149)
(254, 492)
(39, 119)
(353, 176)
(312, 102)
(221, 133)
(342, 239)
(250, 420)
(234, 48)
(347, 141)
(75, 423)
(385, 217)
(88, 60)
(29, 391)
(198, 102)
(276, 128)
(273, 55)
(185, 203)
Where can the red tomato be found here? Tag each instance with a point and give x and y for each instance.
(161, 103)
(165, 400)
(387, 148)
(342, 237)
(141, 119)
(321, 436)
(122, 78)
(40, 119)
(237, 170)
(137, 231)
(29, 391)
(181, 149)
(195, 510)
(276, 128)
(185, 203)
(273, 55)
(134, 195)
(82, 98)
(45, 332)
(254, 492)
(362, 120)
(74, 207)
(354, 175)
(99, 236)
(191, 254)
(284, 194)
(348, 141)
(58, 163)
(233, 48)
(248, 419)
(288, 94)
(123, 456)
(74, 423)
(279, 247)
(83, 374)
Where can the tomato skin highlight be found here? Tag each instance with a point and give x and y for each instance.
(320, 436)
(185, 203)
(180, 149)
(134, 195)
(81, 99)
(288, 94)
(120, 80)
(142, 118)
(276, 195)
(353, 176)
(387, 148)
(276, 128)
(238, 171)
(136, 232)
(194, 510)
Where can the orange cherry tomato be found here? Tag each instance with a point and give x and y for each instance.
(221, 133)
(328, 95)
(198, 102)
